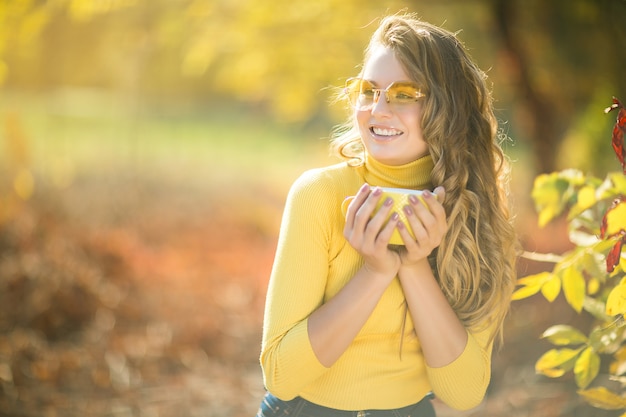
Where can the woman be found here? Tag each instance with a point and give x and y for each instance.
(356, 326)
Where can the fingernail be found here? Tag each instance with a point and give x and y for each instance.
(364, 188)
(388, 201)
(427, 194)
(413, 199)
(377, 191)
(408, 210)
(395, 216)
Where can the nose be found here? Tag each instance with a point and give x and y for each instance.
(381, 105)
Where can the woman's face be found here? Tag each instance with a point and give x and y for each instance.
(391, 134)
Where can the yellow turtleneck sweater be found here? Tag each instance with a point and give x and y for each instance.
(313, 262)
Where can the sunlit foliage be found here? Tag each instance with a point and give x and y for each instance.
(592, 276)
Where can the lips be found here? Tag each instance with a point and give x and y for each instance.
(385, 131)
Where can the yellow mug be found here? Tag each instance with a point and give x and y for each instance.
(400, 198)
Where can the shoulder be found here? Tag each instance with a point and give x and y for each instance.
(324, 187)
(331, 179)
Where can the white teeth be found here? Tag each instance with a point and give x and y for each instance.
(385, 132)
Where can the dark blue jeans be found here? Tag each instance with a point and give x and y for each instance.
(299, 407)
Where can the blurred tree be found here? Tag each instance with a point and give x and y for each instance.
(547, 60)
(557, 55)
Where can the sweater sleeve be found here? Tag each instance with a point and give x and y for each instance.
(296, 287)
(462, 384)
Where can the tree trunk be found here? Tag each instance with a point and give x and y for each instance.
(539, 115)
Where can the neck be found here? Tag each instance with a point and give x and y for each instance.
(414, 175)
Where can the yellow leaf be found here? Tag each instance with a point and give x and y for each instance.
(531, 285)
(551, 372)
(551, 288)
(586, 199)
(616, 219)
(547, 214)
(574, 288)
(616, 302)
(556, 362)
(603, 398)
(593, 286)
(535, 279)
(587, 367)
(525, 292)
(562, 334)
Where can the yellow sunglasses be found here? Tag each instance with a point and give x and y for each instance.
(363, 94)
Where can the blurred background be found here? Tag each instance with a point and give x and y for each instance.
(146, 149)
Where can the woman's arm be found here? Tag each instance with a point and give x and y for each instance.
(441, 334)
(303, 333)
(334, 325)
(458, 360)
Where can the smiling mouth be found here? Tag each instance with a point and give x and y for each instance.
(385, 132)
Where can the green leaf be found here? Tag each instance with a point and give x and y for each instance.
(547, 193)
(556, 362)
(574, 288)
(587, 367)
(603, 398)
(562, 335)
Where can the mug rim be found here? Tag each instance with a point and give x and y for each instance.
(401, 190)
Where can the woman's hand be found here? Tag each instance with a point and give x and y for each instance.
(369, 233)
(429, 224)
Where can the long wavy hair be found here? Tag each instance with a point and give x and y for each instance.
(475, 263)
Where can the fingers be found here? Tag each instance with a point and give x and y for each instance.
(368, 230)
(356, 203)
(365, 225)
(431, 207)
(427, 220)
(440, 192)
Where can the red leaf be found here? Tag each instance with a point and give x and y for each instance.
(618, 132)
(612, 258)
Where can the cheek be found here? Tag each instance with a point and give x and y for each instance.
(414, 120)
(362, 119)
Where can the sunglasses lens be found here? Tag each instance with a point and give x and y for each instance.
(360, 93)
(403, 93)
(363, 94)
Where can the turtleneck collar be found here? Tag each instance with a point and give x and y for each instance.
(414, 175)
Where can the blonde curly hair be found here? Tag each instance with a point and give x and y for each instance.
(475, 263)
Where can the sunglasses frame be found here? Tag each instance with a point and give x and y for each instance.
(350, 92)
